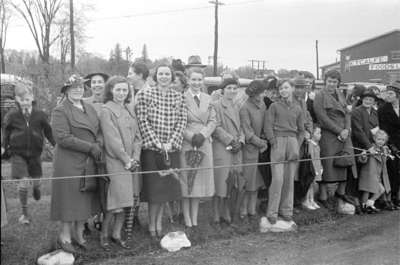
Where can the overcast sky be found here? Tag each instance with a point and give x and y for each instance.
(282, 33)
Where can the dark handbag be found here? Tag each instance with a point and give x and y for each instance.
(343, 162)
(306, 171)
(89, 184)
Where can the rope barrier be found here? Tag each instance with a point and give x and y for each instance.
(124, 173)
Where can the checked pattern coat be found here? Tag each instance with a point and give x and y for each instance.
(162, 117)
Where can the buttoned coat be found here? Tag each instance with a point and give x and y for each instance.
(333, 117)
(373, 173)
(228, 129)
(122, 141)
(252, 116)
(201, 119)
(362, 123)
(75, 131)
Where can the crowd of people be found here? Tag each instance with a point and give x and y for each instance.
(129, 124)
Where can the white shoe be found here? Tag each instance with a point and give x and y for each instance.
(24, 220)
(308, 206)
(265, 225)
(315, 205)
(283, 226)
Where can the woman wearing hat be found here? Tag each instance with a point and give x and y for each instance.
(228, 139)
(389, 121)
(364, 124)
(96, 83)
(252, 116)
(75, 126)
(162, 118)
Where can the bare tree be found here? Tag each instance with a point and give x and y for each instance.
(40, 16)
(5, 14)
(63, 28)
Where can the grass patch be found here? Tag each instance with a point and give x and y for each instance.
(24, 244)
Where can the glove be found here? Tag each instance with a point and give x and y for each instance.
(198, 140)
(236, 146)
(95, 151)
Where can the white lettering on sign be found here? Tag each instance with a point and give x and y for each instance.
(372, 60)
(384, 66)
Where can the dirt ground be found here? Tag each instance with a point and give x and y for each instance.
(364, 240)
(323, 238)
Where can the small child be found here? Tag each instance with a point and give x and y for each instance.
(24, 128)
(374, 180)
(313, 148)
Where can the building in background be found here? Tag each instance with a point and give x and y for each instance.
(328, 67)
(374, 60)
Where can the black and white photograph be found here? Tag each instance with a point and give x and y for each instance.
(219, 132)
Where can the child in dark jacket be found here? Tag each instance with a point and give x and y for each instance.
(23, 131)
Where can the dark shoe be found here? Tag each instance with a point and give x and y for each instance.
(66, 246)
(160, 234)
(252, 217)
(81, 245)
(120, 243)
(86, 230)
(225, 221)
(104, 244)
(36, 193)
(359, 210)
(216, 224)
(396, 203)
(324, 203)
(346, 198)
(371, 210)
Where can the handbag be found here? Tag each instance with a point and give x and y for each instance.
(88, 184)
(343, 162)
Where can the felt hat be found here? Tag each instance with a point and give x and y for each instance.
(228, 81)
(394, 86)
(369, 93)
(300, 82)
(358, 90)
(89, 77)
(255, 88)
(73, 80)
(195, 61)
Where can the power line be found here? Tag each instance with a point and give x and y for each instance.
(161, 12)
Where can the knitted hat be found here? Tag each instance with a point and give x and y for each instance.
(229, 81)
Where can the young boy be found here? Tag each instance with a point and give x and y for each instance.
(284, 129)
(24, 128)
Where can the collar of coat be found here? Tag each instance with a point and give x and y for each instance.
(117, 109)
(86, 119)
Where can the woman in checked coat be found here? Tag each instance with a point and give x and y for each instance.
(201, 124)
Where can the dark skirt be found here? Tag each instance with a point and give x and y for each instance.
(157, 189)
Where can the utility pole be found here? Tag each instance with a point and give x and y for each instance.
(216, 3)
(71, 30)
(316, 50)
(258, 70)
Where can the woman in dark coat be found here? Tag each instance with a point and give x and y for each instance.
(334, 119)
(364, 123)
(75, 129)
(389, 121)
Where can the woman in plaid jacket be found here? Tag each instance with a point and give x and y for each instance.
(162, 117)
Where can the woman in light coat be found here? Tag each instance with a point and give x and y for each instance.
(252, 116)
(122, 145)
(228, 139)
(201, 124)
